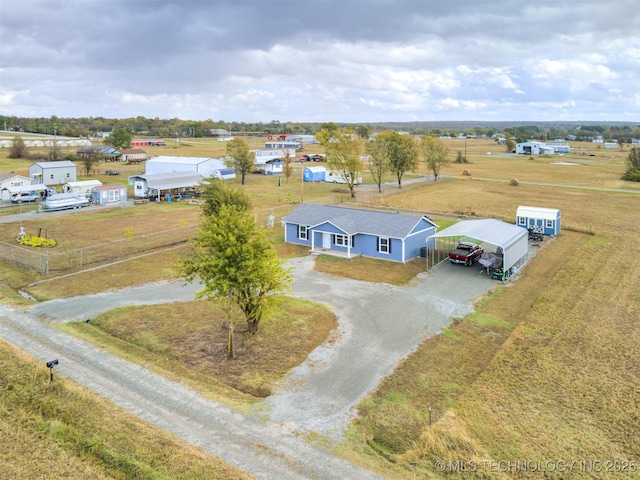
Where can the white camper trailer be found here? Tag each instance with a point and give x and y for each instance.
(335, 176)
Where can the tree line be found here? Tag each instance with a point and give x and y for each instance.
(171, 128)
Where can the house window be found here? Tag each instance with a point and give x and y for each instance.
(522, 221)
(549, 223)
(342, 240)
(384, 245)
(302, 232)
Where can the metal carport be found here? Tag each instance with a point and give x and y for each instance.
(511, 239)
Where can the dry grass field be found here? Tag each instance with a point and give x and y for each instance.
(58, 430)
(545, 368)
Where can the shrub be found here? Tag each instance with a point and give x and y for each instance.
(34, 241)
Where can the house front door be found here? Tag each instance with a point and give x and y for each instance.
(326, 241)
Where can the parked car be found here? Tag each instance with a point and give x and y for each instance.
(24, 197)
(318, 157)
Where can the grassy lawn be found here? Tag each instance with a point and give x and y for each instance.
(188, 342)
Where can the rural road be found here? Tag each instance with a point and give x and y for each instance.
(378, 326)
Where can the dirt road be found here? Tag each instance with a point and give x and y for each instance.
(379, 325)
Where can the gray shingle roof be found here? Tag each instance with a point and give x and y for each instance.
(352, 221)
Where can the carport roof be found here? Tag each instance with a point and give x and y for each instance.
(488, 230)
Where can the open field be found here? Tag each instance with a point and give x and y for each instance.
(546, 368)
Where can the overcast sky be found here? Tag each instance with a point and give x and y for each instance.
(354, 61)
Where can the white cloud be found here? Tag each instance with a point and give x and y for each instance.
(321, 60)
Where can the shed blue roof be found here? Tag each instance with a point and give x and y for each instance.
(353, 221)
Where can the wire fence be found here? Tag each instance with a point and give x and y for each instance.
(60, 259)
(52, 260)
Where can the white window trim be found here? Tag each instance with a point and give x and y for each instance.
(387, 245)
(303, 232)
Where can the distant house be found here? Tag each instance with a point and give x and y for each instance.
(104, 152)
(539, 219)
(53, 173)
(132, 155)
(11, 184)
(389, 236)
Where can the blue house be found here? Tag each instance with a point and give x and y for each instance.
(539, 219)
(389, 236)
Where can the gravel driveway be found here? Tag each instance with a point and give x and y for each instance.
(379, 325)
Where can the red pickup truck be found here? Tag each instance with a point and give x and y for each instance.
(466, 253)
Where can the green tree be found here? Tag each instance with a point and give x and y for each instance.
(510, 144)
(240, 158)
(18, 148)
(435, 153)
(216, 193)
(238, 266)
(633, 166)
(119, 138)
(363, 131)
(378, 161)
(403, 154)
(344, 151)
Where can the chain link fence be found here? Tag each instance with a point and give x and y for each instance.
(58, 259)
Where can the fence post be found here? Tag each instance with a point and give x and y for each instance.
(46, 263)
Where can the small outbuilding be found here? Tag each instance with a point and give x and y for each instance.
(314, 174)
(110, 194)
(54, 173)
(539, 219)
